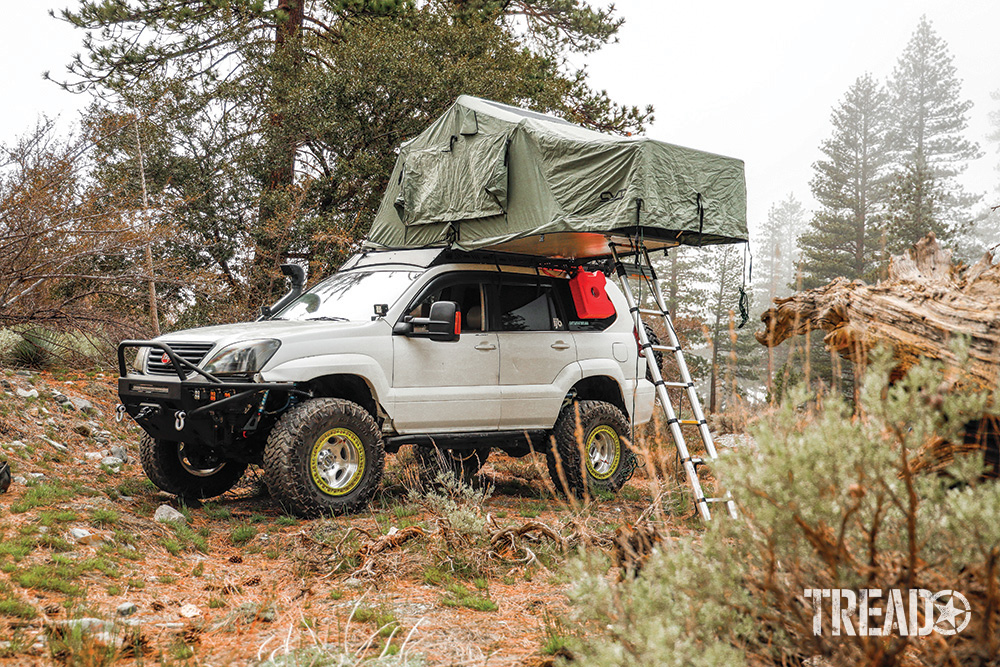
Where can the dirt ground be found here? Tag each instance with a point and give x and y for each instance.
(440, 580)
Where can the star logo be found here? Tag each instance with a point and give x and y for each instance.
(952, 617)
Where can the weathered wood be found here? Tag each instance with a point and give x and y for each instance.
(924, 303)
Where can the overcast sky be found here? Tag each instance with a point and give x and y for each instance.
(754, 80)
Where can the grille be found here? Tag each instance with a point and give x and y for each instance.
(191, 352)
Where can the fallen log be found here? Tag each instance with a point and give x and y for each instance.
(917, 311)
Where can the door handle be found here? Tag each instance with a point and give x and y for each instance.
(560, 345)
(486, 347)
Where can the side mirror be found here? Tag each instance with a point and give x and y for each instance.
(444, 323)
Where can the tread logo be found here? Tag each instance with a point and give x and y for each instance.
(857, 614)
(608, 195)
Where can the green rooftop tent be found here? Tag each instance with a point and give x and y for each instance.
(488, 175)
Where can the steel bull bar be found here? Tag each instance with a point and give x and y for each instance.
(149, 400)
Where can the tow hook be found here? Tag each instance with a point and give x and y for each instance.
(179, 420)
(119, 413)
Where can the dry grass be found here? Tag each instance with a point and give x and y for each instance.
(265, 585)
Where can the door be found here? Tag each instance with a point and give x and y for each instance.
(443, 387)
(535, 347)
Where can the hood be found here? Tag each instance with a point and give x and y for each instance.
(283, 330)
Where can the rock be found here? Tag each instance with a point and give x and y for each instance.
(86, 624)
(19, 480)
(78, 533)
(84, 430)
(25, 374)
(24, 393)
(93, 456)
(15, 444)
(43, 530)
(189, 611)
(112, 462)
(119, 452)
(127, 608)
(36, 475)
(166, 513)
(59, 447)
(101, 440)
(83, 405)
(91, 540)
(353, 582)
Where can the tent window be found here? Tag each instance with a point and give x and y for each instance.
(465, 180)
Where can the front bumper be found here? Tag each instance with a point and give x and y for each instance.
(197, 407)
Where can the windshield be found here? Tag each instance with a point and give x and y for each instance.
(349, 296)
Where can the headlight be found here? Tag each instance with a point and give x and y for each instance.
(139, 363)
(242, 358)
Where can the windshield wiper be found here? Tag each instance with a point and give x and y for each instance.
(327, 318)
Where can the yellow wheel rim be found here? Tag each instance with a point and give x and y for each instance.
(604, 452)
(337, 462)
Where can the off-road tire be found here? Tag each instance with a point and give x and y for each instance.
(161, 461)
(290, 465)
(463, 464)
(566, 460)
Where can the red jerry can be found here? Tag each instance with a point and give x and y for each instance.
(590, 295)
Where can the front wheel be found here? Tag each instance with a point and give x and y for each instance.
(325, 456)
(589, 452)
(187, 470)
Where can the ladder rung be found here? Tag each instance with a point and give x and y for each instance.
(664, 348)
(646, 311)
(717, 500)
(696, 461)
(690, 422)
(679, 385)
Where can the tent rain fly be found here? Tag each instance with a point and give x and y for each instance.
(490, 176)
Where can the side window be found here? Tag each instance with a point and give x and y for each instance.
(574, 321)
(528, 306)
(467, 294)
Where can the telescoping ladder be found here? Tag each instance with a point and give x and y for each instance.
(643, 269)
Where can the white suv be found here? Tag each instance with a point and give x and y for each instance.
(455, 353)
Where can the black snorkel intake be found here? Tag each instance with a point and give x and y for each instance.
(297, 276)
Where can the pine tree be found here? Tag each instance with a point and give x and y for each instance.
(850, 185)
(777, 254)
(929, 120)
(277, 120)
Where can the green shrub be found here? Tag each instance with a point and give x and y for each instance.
(830, 500)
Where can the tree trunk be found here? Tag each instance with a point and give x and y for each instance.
(920, 308)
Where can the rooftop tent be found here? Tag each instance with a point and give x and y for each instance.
(488, 175)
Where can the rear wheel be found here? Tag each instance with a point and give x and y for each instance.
(463, 464)
(590, 451)
(188, 470)
(325, 456)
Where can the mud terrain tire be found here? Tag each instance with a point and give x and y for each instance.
(178, 469)
(602, 463)
(323, 457)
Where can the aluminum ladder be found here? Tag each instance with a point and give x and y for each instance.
(643, 268)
